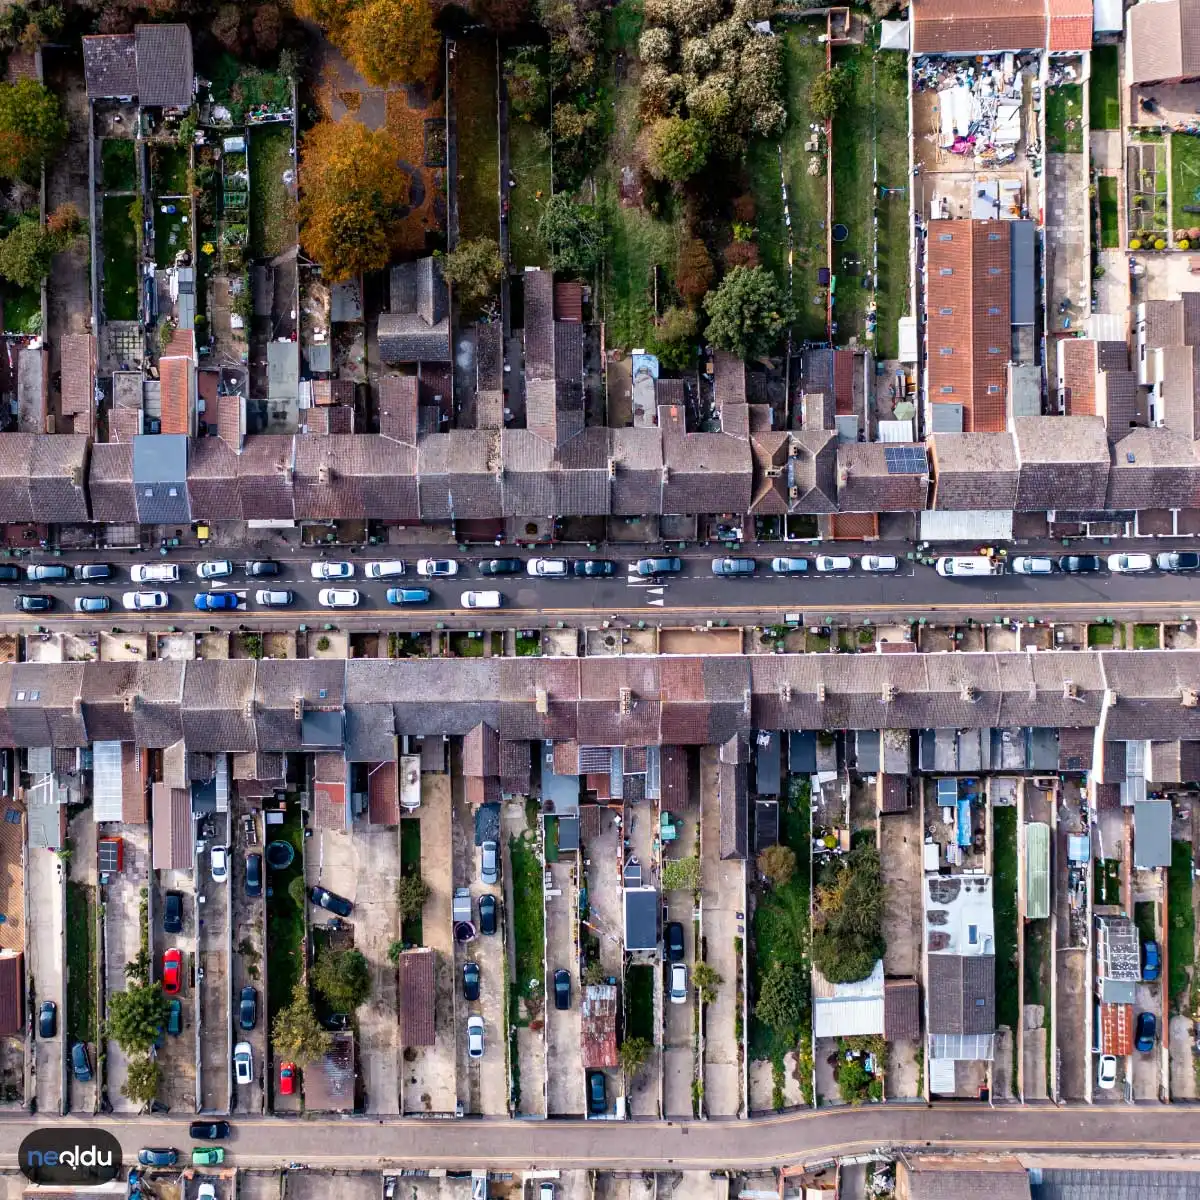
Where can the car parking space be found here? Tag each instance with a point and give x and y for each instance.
(1147, 1065)
(248, 915)
(178, 1054)
(316, 1185)
(678, 1056)
(212, 975)
(81, 1097)
(564, 1082)
(222, 1188)
(47, 898)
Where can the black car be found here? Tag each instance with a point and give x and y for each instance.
(264, 567)
(173, 913)
(562, 989)
(253, 874)
(209, 1131)
(501, 566)
(47, 1019)
(597, 1094)
(487, 914)
(248, 1008)
(471, 981)
(324, 898)
(86, 571)
(593, 567)
(675, 942)
(28, 603)
(1080, 564)
(10, 574)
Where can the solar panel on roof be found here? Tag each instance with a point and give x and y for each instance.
(905, 460)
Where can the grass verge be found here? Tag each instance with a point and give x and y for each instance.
(1110, 228)
(118, 165)
(1185, 178)
(639, 1002)
(1145, 637)
(1181, 934)
(411, 930)
(529, 928)
(474, 83)
(120, 242)
(1100, 635)
(1004, 869)
(1064, 119)
(285, 919)
(81, 962)
(22, 309)
(1105, 89)
(272, 211)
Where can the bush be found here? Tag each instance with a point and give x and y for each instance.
(747, 313)
(656, 45)
(694, 16)
(693, 270)
(783, 998)
(699, 57)
(676, 148)
(847, 918)
(574, 234)
(674, 338)
(681, 874)
(829, 91)
(778, 864)
(343, 978)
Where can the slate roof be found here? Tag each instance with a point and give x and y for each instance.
(110, 66)
(955, 984)
(164, 66)
(973, 471)
(865, 485)
(406, 338)
(1063, 463)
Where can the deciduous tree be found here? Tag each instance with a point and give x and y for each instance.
(676, 148)
(32, 126)
(411, 894)
(143, 1078)
(474, 268)
(829, 91)
(297, 1034)
(748, 313)
(674, 339)
(574, 234)
(693, 270)
(848, 918)
(778, 864)
(392, 41)
(137, 1016)
(343, 978)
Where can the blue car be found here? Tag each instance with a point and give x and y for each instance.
(408, 595)
(1145, 1032)
(215, 601)
(1151, 962)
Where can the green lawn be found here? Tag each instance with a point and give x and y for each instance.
(1181, 934)
(1185, 179)
(474, 84)
(118, 165)
(1145, 637)
(1004, 874)
(169, 170)
(1064, 119)
(172, 232)
(1104, 89)
(285, 919)
(639, 1002)
(529, 161)
(119, 238)
(81, 962)
(22, 309)
(528, 917)
(411, 930)
(1110, 228)
(272, 211)
(1100, 635)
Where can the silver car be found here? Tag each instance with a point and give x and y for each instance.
(489, 867)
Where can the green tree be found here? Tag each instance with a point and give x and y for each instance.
(25, 253)
(297, 889)
(594, 973)
(574, 234)
(528, 90)
(136, 1016)
(137, 969)
(411, 894)
(676, 148)
(343, 977)
(783, 998)
(707, 982)
(474, 268)
(778, 864)
(829, 91)
(143, 1078)
(395, 949)
(748, 313)
(392, 41)
(32, 127)
(848, 918)
(674, 338)
(633, 1054)
(297, 1035)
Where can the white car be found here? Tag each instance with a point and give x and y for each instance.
(154, 573)
(879, 562)
(333, 570)
(217, 568)
(274, 597)
(138, 601)
(218, 863)
(481, 599)
(337, 598)
(679, 986)
(243, 1063)
(831, 562)
(384, 570)
(1033, 566)
(550, 568)
(475, 1036)
(1128, 564)
(1106, 1073)
(966, 566)
(206, 1191)
(437, 568)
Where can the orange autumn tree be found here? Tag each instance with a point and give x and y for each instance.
(388, 41)
(353, 197)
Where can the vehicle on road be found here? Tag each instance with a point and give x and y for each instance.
(254, 867)
(175, 1017)
(674, 941)
(172, 980)
(92, 604)
(562, 989)
(248, 1008)
(157, 1156)
(274, 597)
(215, 601)
(475, 1036)
(209, 1131)
(243, 1063)
(154, 573)
(679, 983)
(1151, 961)
(470, 976)
(501, 566)
(436, 568)
(218, 863)
(260, 567)
(27, 602)
(287, 1078)
(597, 1094)
(1106, 1072)
(173, 912)
(409, 595)
(647, 567)
(1145, 1033)
(489, 862)
(88, 571)
(332, 570)
(81, 1063)
(1081, 564)
(1129, 564)
(10, 574)
(46, 572)
(481, 599)
(879, 563)
(338, 598)
(547, 568)
(593, 568)
(487, 914)
(789, 566)
(324, 898)
(1028, 565)
(384, 570)
(967, 566)
(47, 1019)
(731, 567)
(217, 568)
(208, 1156)
(141, 601)
(834, 562)
(1178, 560)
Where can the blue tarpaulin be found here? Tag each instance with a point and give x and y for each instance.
(964, 821)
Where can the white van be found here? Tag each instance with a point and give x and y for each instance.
(481, 599)
(383, 570)
(967, 566)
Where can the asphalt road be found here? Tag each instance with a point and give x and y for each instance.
(915, 590)
(714, 1145)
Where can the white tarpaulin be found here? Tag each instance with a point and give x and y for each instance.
(1007, 130)
(893, 35)
(958, 109)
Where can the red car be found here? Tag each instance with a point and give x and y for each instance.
(287, 1078)
(172, 971)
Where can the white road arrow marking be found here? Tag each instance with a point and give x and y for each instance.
(660, 603)
(655, 591)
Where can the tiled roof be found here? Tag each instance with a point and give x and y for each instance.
(481, 751)
(935, 1178)
(637, 481)
(78, 400)
(355, 475)
(459, 475)
(955, 983)
(568, 301)
(406, 338)
(1064, 463)
(733, 789)
(135, 782)
(973, 471)
(57, 476)
(110, 66)
(813, 472)
(383, 793)
(1154, 468)
(864, 483)
(418, 997)
(1070, 26)
(176, 376)
(164, 65)
(729, 379)
(539, 324)
(1160, 41)
(12, 993)
(706, 473)
(398, 407)
(962, 27)
(901, 1009)
(1078, 361)
(171, 828)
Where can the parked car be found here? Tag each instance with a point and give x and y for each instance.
(173, 912)
(172, 980)
(679, 983)
(731, 567)
(332, 570)
(218, 863)
(675, 941)
(209, 1131)
(206, 1191)
(834, 562)
(1106, 1073)
(274, 597)
(208, 1156)
(287, 1078)
(1151, 961)
(384, 570)
(1081, 564)
(436, 568)
(150, 1156)
(408, 595)
(81, 1063)
(562, 988)
(647, 567)
(215, 601)
(46, 572)
(338, 598)
(593, 567)
(248, 1008)
(92, 604)
(243, 1063)
(789, 566)
(1129, 564)
(487, 914)
(254, 866)
(967, 566)
(217, 568)
(1178, 560)
(597, 1094)
(489, 862)
(258, 568)
(10, 574)
(501, 566)
(1145, 1032)
(175, 1017)
(141, 601)
(47, 1019)
(88, 571)
(547, 568)
(879, 563)
(475, 1036)
(470, 976)
(547, 1190)
(324, 898)
(1031, 565)
(481, 599)
(154, 573)
(26, 602)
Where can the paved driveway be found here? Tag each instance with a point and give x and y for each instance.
(47, 898)
(246, 958)
(178, 1055)
(564, 1078)
(678, 1055)
(213, 938)
(122, 941)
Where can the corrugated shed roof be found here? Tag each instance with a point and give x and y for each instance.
(12, 993)
(598, 1021)
(329, 1082)
(172, 847)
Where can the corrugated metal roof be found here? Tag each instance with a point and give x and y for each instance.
(107, 791)
(1037, 870)
(973, 525)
